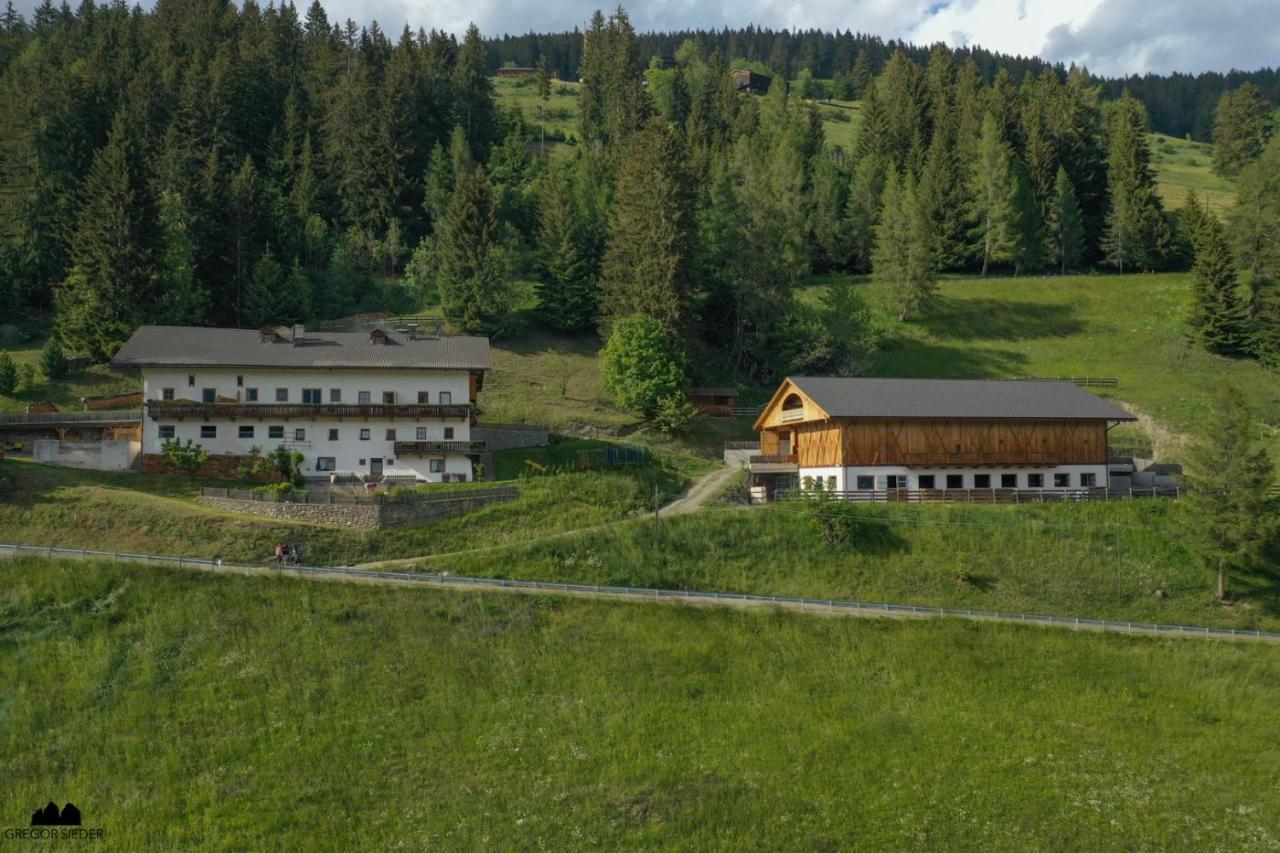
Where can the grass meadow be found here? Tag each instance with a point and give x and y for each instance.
(158, 514)
(187, 711)
(1114, 561)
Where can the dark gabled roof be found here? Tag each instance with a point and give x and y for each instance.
(195, 346)
(944, 399)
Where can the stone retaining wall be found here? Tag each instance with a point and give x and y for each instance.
(509, 436)
(361, 516)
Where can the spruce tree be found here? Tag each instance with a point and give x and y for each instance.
(1217, 317)
(567, 293)
(1028, 226)
(183, 302)
(1254, 223)
(905, 257)
(262, 298)
(1242, 125)
(1228, 517)
(1135, 230)
(1065, 226)
(476, 292)
(993, 189)
(8, 374)
(53, 362)
(648, 258)
(826, 218)
(474, 95)
(862, 213)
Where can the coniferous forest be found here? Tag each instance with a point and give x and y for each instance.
(208, 163)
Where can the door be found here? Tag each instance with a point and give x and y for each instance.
(375, 467)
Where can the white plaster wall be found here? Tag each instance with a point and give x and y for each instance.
(405, 383)
(824, 474)
(848, 476)
(351, 454)
(98, 455)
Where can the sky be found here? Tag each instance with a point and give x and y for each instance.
(1110, 37)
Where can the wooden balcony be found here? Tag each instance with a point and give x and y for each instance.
(180, 409)
(429, 448)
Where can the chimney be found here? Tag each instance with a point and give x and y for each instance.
(298, 332)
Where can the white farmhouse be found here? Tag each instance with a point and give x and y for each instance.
(366, 404)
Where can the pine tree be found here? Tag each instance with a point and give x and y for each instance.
(1135, 228)
(244, 214)
(863, 75)
(905, 257)
(53, 361)
(649, 253)
(474, 95)
(1065, 226)
(1242, 125)
(1217, 317)
(262, 298)
(992, 194)
(826, 219)
(475, 288)
(1254, 222)
(1228, 517)
(182, 302)
(567, 293)
(862, 214)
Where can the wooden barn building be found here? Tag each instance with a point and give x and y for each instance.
(853, 434)
(751, 82)
(716, 402)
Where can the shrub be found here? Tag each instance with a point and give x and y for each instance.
(674, 415)
(857, 526)
(254, 466)
(642, 365)
(288, 464)
(187, 458)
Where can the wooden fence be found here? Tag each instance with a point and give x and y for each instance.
(324, 496)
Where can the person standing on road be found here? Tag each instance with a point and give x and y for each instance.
(279, 554)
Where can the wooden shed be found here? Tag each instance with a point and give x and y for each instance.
(717, 402)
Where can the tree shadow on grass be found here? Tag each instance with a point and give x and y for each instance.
(909, 359)
(953, 318)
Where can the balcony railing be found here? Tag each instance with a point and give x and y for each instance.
(424, 448)
(284, 411)
(774, 459)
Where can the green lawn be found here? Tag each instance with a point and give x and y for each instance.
(66, 393)
(186, 711)
(560, 110)
(1182, 165)
(1129, 327)
(157, 514)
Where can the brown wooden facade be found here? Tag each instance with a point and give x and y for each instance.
(793, 425)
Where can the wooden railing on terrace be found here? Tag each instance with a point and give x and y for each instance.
(283, 411)
(111, 416)
(978, 496)
(422, 448)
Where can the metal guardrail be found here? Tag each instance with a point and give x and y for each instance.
(827, 605)
(1085, 381)
(89, 417)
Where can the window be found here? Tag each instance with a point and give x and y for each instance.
(926, 481)
(166, 431)
(299, 434)
(246, 432)
(1061, 481)
(333, 435)
(389, 398)
(166, 393)
(364, 398)
(865, 483)
(326, 463)
(335, 395)
(208, 431)
(422, 434)
(446, 398)
(251, 395)
(1088, 481)
(1008, 481)
(982, 481)
(448, 433)
(955, 481)
(282, 395)
(1035, 481)
(391, 435)
(364, 435)
(424, 397)
(208, 395)
(311, 396)
(437, 466)
(276, 431)
(191, 380)
(240, 381)
(361, 462)
(896, 481)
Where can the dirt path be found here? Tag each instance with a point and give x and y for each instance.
(702, 490)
